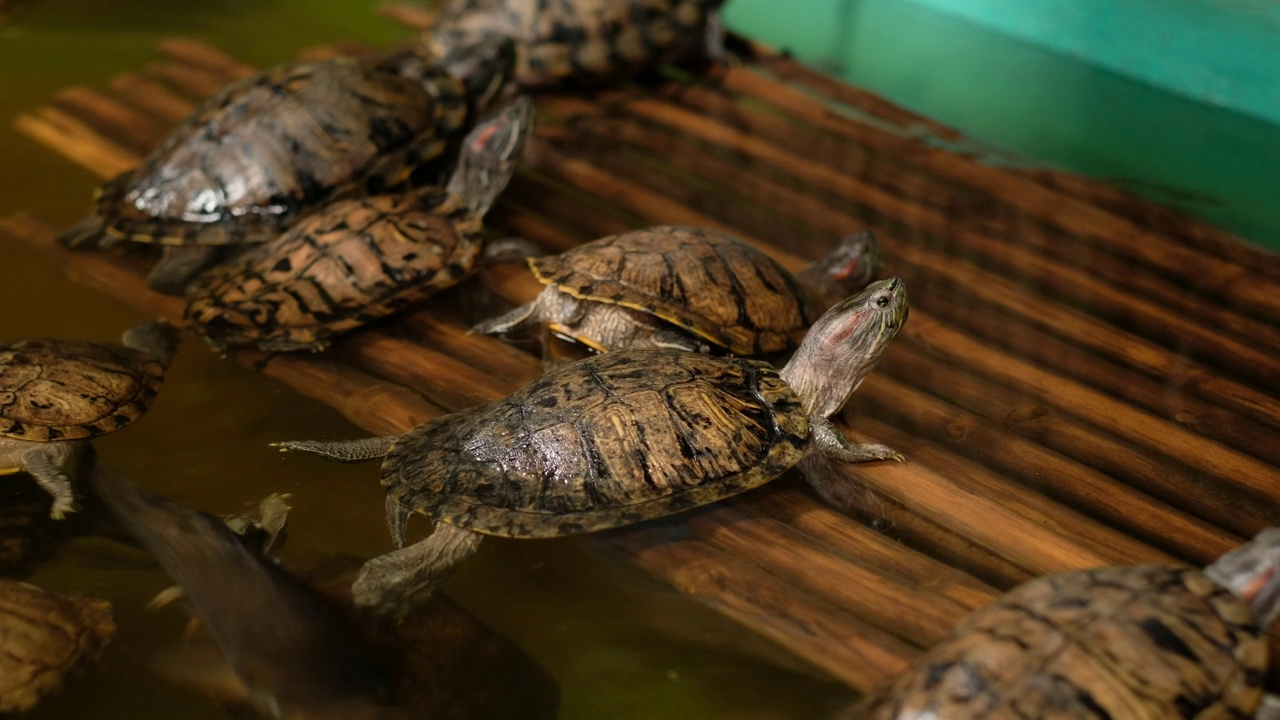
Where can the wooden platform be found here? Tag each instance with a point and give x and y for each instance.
(1085, 379)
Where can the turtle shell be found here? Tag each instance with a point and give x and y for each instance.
(608, 441)
(576, 39)
(53, 389)
(1150, 642)
(249, 160)
(46, 636)
(350, 263)
(704, 281)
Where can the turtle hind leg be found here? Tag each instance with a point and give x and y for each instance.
(395, 583)
(343, 450)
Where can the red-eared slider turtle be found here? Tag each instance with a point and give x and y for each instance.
(359, 259)
(46, 637)
(687, 288)
(1120, 642)
(619, 438)
(253, 158)
(582, 40)
(56, 394)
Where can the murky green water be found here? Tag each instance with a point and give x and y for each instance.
(620, 644)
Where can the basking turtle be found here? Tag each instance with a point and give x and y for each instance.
(1119, 642)
(266, 149)
(359, 259)
(619, 438)
(56, 394)
(687, 288)
(47, 637)
(582, 40)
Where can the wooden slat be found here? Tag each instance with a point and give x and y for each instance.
(1022, 459)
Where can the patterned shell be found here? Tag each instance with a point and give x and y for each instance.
(607, 441)
(1131, 642)
(352, 262)
(272, 145)
(709, 283)
(578, 39)
(45, 636)
(53, 389)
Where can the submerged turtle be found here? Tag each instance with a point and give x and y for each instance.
(56, 394)
(250, 160)
(47, 637)
(1119, 642)
(359, 259)
(687, 288)
(298, 649)
(582, 40)
(619, 438)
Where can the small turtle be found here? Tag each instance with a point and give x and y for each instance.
(360, 259)
(46, 637)
(687, 288)
(1119, 642)
(56, 394)
(619, 438)
(583, 40)
(266, 149)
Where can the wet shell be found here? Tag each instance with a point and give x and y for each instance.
(268, 147)
(706, 282)
(579, 39)
(1150, 642)
(611, 440)
(337, 269)
(54, 389)
(45, 637)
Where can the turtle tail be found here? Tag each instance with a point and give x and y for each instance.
(88, 232)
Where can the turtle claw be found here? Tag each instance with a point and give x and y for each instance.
(62, 505)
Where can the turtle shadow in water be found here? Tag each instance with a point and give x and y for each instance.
(294, 645)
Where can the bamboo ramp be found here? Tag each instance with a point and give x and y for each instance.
(1086, 378)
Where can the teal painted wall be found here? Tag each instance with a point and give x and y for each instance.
(1042, 104)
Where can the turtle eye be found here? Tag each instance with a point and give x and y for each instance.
(882, 301)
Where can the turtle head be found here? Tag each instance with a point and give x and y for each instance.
(484, 66)
(844, 345)
(489, 155)
(158, 339)
(1252, 573)
(846, 269)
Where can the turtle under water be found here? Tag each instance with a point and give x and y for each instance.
(619, 438)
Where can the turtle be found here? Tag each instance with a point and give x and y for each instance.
(55, 394)
(296, 645)
(690, 288)
(358, 259)
(1146, 641)
(619, 438)
(252, 159)
(47, 636)
(582, 40)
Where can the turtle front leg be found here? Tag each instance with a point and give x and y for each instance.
(343, 450)
(178, 265)
(828, 440)
(395, 583)
(548, 305)
(47, 463)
